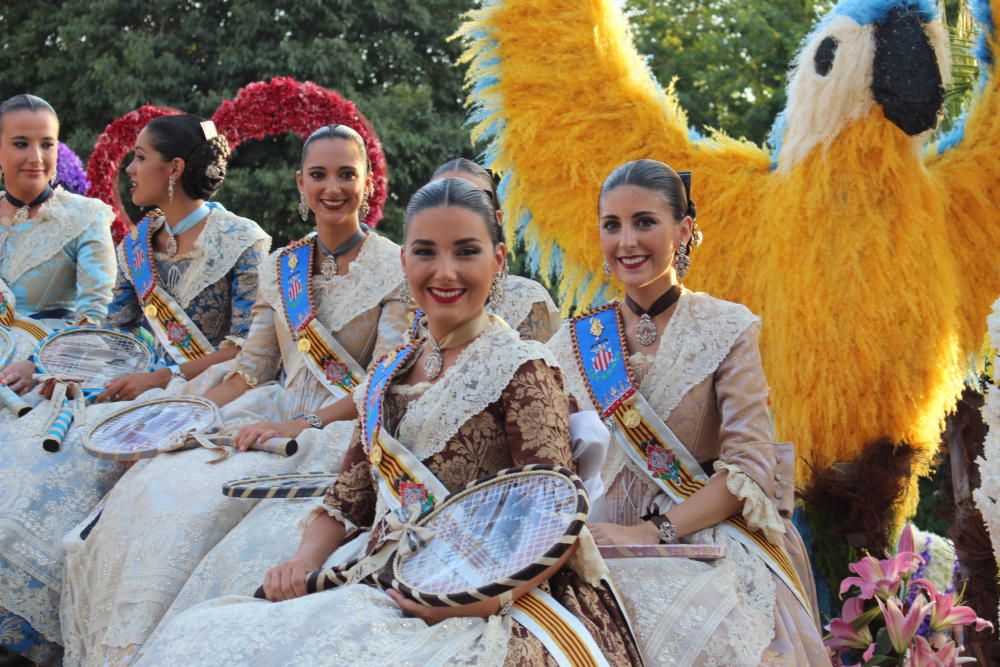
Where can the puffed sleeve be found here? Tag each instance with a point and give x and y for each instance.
(243, 280)
(536, 416)
(351, 497)
(260, 358)
(759, 471)
(95, 272)
(392, 324)
(541, 323)
(124, 311)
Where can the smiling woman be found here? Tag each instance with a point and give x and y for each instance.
(57, 259)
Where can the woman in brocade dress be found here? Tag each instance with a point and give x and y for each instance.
(460, 422)
(166, 513)
(58, 263)
(268, 533)
(696, 364)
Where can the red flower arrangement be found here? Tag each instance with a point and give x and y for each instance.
(259, 110)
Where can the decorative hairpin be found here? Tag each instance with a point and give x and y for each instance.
(209, 130)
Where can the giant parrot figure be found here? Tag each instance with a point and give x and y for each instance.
(871, 256)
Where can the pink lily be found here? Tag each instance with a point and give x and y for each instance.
(947, 612)
(880, 577)
(850, 630)
(922, 655)
(907, 541)
(901, 627)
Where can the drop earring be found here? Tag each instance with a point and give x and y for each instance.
(170, 190)
(606, 269)
(682, 260)
(303, 209)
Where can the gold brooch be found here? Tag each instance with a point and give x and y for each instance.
(631, 418)
(304, 345)
(376, 454)
(596, 327)
(135, 233)
(293, 261)
(151, 311)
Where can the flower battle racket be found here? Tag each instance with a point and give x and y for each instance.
(92, 356)
(489, 538)
(143, 430)
(293, 485)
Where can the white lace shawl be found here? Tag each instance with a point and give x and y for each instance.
(224, 239)
(695, 342)
(475, 381)
(370, 278)
(65, 216)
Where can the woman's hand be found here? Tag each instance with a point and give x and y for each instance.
(617, 535)
(434, 615)
(288, 580)
(19, 376)
(129, 387)
(258, 432)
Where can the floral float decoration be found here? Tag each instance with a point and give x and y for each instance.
(895, 616)
(257, 111)
(69, 171)
(987, 496)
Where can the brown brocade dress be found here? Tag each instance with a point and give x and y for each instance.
(465, 426)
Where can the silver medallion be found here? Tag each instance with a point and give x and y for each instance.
(645, 330)
(171, 245)
(329, 267)
(433, 362)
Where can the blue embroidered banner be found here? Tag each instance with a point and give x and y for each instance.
(294, 274)
(602, 358)
(380, 379)
(137, 254)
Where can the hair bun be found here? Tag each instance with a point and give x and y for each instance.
(205, 168)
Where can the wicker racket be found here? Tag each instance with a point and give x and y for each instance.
(293, 485)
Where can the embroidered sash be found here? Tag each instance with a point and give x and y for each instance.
(323, 355)
(175, 331)
(403, 480)
(599, 347)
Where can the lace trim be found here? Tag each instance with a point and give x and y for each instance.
(329, 511)
(251, 380)
(370, 278)
(520, 295)
(233, 341)
(224, 239)
(65, 216)
(587, 560)
(758, 509)
(465, 391)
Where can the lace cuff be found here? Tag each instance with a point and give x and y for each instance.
(233, 341)
(758, 509)
(86, 320)
(587, 560)
(323, 508)
(249, 379)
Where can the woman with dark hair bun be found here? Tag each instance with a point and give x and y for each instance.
(326, 305)
(693, 457)
(202, 266)
(523, 303)
(57, 268)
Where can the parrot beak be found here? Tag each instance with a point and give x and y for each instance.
(906, 81)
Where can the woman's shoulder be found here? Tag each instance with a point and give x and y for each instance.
(704, 306)
(69, 205)
(232, 223)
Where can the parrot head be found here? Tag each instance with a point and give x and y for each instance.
(887, 58)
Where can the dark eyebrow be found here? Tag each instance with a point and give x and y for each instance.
(423, 242)
(471, 239)
(642, 213)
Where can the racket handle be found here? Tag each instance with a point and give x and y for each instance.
(259, 593)
(53, 439)
(317, 581)
(280, 446)
(13, 402)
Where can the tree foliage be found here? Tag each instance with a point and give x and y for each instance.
(94, 60)
(730, 57)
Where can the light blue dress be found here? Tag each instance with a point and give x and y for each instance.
(44, 495)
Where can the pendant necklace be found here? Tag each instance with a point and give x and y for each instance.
(186, 223)
(434, 360)
(329, 266)
(24, 208)
(645, 330)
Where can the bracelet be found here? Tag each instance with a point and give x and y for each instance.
(665, 529)
(176, 372)
(313, 419)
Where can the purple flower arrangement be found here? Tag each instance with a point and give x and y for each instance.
(69, 171)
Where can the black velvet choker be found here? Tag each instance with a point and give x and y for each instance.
(645, 330)
(37, 201)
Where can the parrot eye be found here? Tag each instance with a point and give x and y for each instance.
(823, 60)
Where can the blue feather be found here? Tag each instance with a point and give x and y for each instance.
(867, 12)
